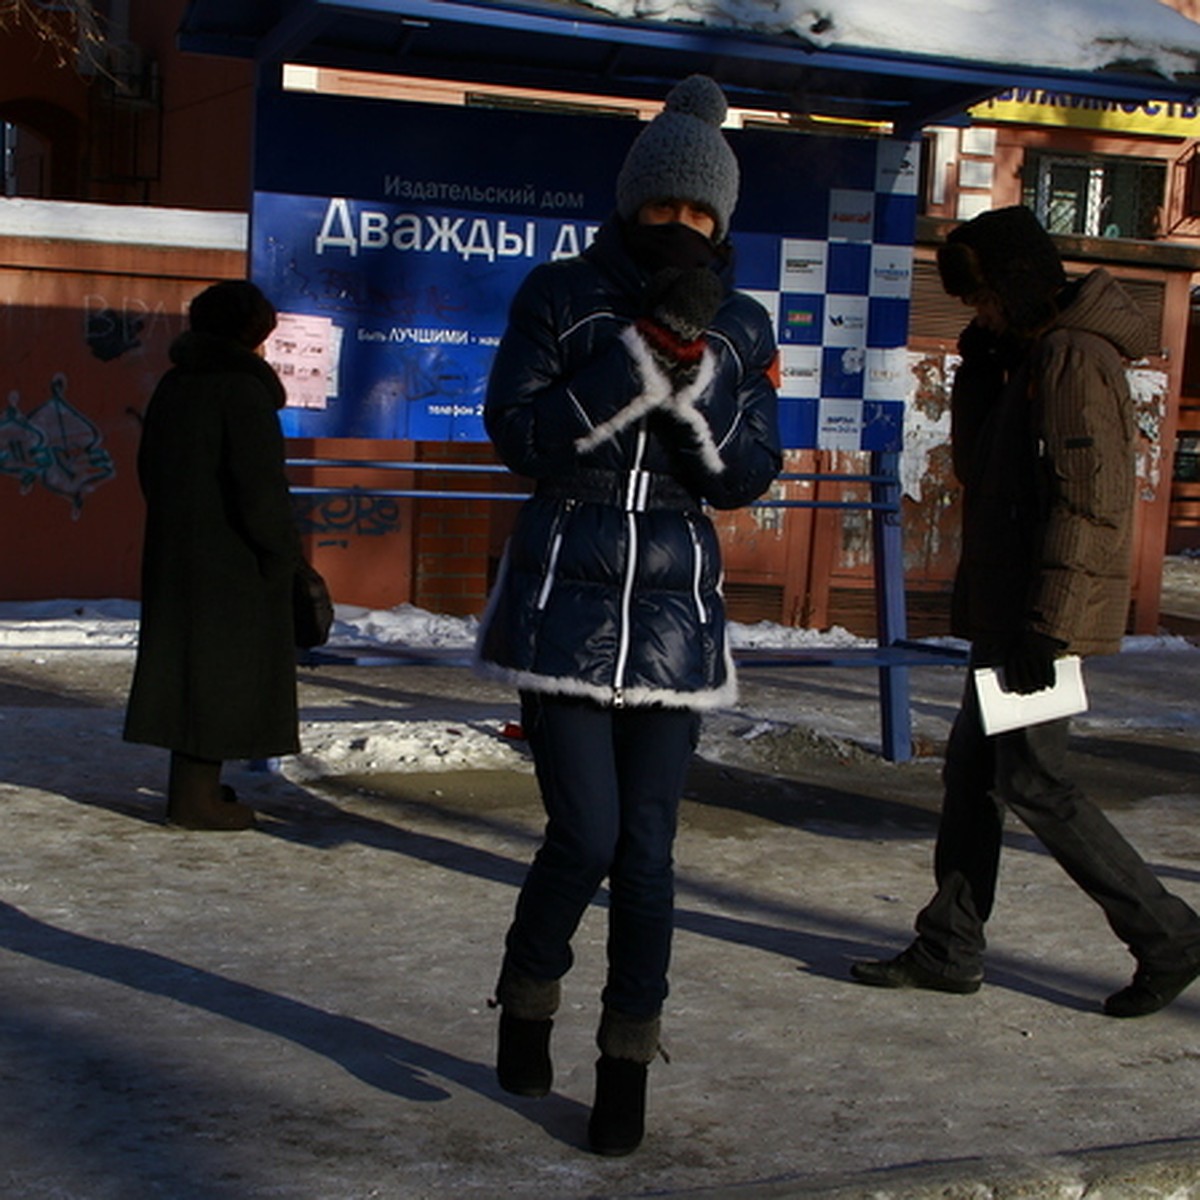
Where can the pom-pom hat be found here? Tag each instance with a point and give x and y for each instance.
(682, 155)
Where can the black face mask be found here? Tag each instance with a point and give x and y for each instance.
(653, 247)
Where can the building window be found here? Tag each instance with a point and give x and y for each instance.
(8, 156)
(926, 191)
(25, 159)
(1096, 196)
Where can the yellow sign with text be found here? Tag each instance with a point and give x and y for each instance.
(1035, 106)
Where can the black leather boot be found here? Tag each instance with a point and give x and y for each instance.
(523, 1064)
(618, 1121)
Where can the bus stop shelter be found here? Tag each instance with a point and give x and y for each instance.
(568, 47)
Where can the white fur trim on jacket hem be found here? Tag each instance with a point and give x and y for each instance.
(635, 697)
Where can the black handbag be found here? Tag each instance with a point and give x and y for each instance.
(312, 607)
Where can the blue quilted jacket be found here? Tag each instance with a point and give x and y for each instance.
(610, 586)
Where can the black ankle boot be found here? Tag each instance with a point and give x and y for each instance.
(523, 1064)
(618, 1120)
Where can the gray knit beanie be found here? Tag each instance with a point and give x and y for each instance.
(682, 155)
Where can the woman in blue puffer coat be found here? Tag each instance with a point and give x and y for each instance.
(632, 385)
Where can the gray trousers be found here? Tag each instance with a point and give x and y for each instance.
(1024, 770)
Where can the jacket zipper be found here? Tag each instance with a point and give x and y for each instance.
(697, 571)
(555, 546)
(627, 584)
(626, 598)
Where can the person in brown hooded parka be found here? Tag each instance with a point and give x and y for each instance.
(215, 677)
(1043, 434)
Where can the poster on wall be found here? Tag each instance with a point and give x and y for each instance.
(392, 237)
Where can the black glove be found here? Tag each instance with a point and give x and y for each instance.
(680, 303)
(1029, 662)
(685, 301)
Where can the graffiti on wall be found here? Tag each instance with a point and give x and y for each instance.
(115, 325)
(335, 519)
(110, 334)
(54, 446)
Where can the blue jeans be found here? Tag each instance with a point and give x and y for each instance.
(1024, 770)
(611, 779)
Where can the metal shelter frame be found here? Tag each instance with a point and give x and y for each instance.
(893, 654)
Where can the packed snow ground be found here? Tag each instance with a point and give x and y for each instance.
(301, 1012)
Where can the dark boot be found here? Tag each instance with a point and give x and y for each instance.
(618, 1120)
(523, 1064)
(627, 1045)
(197, 800)
(527, 1008)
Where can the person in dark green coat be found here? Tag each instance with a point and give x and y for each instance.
(215, 677)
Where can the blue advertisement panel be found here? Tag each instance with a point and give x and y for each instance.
(392, 236)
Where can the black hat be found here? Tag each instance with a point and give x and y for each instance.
(1005, 251)
(233, 308)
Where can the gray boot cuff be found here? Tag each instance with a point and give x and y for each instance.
(634, 1038)
(527, 998)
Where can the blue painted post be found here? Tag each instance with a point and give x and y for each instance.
(890, 619)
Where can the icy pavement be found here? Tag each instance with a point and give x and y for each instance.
(300, 1011)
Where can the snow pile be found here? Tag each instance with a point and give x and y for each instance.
(404, 625)
(112, 624)
(1072, 35)
(108, 624)
(765, 635)
(370, 747)
(345, 733)
(68, 624)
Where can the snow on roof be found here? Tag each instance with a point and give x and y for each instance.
(1074, 35)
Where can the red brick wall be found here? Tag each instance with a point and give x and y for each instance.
(453, 538)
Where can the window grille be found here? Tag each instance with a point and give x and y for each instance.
(1096, 196)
